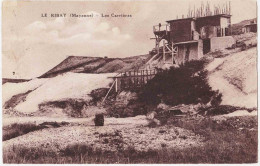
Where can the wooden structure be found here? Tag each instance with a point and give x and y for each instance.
(133, 79)
(185, 39)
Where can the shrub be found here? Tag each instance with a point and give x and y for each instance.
(184, 85)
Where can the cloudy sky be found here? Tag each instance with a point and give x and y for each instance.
(32, 44)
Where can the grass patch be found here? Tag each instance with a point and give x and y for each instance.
(17, 129)
(222, 109)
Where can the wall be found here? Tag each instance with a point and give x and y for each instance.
(207, 21)
(251, 28)
(193, 51)
(182, 49)
(254, 28)
(200, 49)
(220, 43)
(207, 32)
(224, 22)
(180, 30)
(180, 56)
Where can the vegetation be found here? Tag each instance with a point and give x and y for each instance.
(17, 129)
(221, 109)
(225, 142)
(184, 85)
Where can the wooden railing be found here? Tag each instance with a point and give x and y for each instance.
(137, 73)
(134, 79)
(164, 27)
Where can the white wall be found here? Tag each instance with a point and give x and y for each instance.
(220, 43)
(223, 22)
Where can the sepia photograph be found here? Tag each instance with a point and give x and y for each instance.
(129, 82)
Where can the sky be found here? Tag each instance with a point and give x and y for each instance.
(32, 44)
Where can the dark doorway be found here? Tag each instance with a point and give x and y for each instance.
(187, 53)
(206, 46)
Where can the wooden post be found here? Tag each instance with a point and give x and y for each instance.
(158, 46)
(163, 51)
(110, 90)
(116, 85)
(134, 78)
(146, 75)
(172, 53)
(142, 76)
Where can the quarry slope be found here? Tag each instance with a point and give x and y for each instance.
(66, 86)
(77, 64)
(235, 76)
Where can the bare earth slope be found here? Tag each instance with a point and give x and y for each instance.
(66, 86)
(235, 76)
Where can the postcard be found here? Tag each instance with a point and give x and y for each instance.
(129, 82)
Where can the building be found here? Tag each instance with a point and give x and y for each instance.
(186, 39)
(252, 27)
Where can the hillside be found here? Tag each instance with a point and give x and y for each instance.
(78, 64)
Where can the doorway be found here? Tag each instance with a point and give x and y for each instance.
(187, 53)
(206, 46)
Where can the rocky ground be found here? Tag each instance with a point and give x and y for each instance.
(117, 133)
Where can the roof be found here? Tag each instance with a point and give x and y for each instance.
(181, 19)
(218, 15)
(186, 42)
(250, 25)
(194, 18)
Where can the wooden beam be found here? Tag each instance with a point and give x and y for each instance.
(116, 84)
(110, 90)
(172, 53)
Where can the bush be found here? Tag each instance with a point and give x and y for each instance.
(184, 85)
